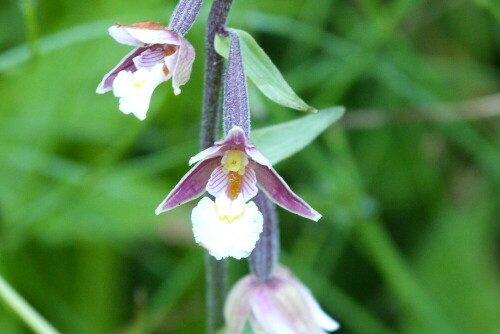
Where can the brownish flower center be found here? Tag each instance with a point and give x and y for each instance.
(234, 187)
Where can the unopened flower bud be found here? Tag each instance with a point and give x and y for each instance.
(282, 305)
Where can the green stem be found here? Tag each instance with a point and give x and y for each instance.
(24, 310)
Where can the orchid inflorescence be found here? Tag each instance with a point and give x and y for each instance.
(237, 182)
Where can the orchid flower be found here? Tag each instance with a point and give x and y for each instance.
(231, 167)
(281, 305)
(232, 171)
(161, 53)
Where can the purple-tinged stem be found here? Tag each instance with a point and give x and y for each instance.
(264, 257)
(184, 16)
(236, 108)
(212, 103)
(214, 72)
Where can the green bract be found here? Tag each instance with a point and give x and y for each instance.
(278, 142)
(263, 73)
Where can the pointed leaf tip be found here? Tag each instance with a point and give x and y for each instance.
(280, 141)
(262, 71)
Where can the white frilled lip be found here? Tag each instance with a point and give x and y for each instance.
(143, 33)
(235, 138)
(222, 238)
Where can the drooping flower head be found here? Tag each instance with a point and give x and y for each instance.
(281, 305)
(161, 53)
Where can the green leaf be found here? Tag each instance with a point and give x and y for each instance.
(280, 141)
(246, 330)
(263, 73)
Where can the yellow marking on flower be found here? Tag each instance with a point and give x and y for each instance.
(229, 210)
(234, 162)
(138, 84)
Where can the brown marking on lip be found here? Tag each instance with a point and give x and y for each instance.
(170, 50)
(165, 70)
(234, 187)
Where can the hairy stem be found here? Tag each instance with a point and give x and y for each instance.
(214, 73)
(184, 15)
(265, 255)
(212, 102)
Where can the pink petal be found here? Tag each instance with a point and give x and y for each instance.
(148, 36)
(126, 64)
(171, 61)
(285, 310)
(322, 319)
(249, 187)
(121, 35)
(236, 136)
(276, 188)
(218, 182)
(237, 305)
(270, 316)
(190, 186)
(149, 58)
(142, 33)
(211, 152)
(257, 156)
(183, 66)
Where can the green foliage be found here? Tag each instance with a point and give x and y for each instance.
(79, 180)
(280, 141)
(263, 73)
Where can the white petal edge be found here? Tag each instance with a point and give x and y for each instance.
(136, 99)
(322, 319)
(267, 317)
(222, 239)
(121, 35)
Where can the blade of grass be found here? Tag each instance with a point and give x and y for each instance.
(374, 242)
(24, 310)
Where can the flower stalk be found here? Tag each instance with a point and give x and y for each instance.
(214, 67)
(264, 257)
(184, 16)
(214, 70)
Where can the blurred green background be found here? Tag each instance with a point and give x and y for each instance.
(408, 182)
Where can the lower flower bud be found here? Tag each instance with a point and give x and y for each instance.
(282, 305)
